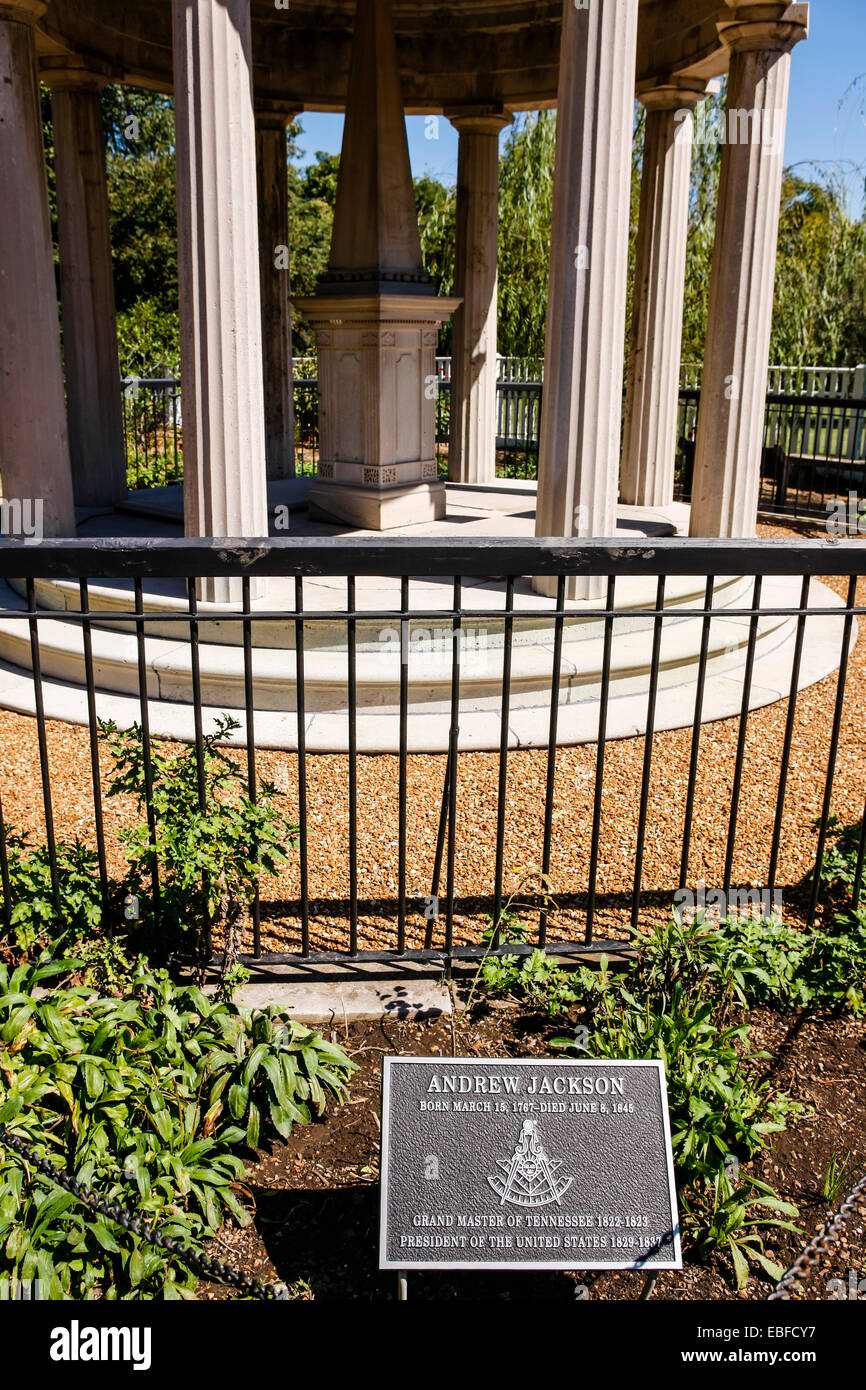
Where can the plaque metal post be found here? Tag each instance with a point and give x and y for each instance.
(402, 1286)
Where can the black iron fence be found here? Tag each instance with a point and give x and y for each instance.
(410, 854)
(814, 446)
(814, 453)
(518, 418)
(152, 430)
(306, 399)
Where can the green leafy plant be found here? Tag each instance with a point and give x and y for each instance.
(839, 1178)
(535, 979)
(734, 1219)
(211, 841)
(530, 976)
(148, 1100)
(677, 1000)
(34, 916)
(841, 854)
(106, 964)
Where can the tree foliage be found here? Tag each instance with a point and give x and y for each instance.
(820, 293)
(820, 305)
(139, 131)
(525, 203)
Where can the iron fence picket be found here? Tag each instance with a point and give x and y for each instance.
(506, 560)
(600, 746)
(648, 750)
(42, 740)
(93, 734)
(841, 681)
(249, 730)
(741, 732)
(700, 687)
(788, 736)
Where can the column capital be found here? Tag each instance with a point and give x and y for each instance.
(479, 120)
(769, 27)
(72, 73)
(675, 93)
(270, 118)
(23, 11)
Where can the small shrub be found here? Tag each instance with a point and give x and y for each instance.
(841, 855)
(722, 1216)
(785, 967)
(532, 977)
(211, 843)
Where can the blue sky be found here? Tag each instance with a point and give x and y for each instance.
(818, 128)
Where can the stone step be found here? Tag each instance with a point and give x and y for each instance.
(169, 661)
(326, 727)
(167, 608)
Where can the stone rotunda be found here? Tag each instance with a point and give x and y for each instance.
(239, 70)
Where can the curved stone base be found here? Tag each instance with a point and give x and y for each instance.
(427, 644)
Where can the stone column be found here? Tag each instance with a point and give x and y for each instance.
(34, 450)
(225, 483)
(739, 316)
(472, 446)
(275, 287)
(578, 469)
(87, 288)
(652, 395)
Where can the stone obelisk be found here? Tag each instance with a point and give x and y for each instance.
(376, 314)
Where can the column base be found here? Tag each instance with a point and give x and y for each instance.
(579, 586)
(377, 509)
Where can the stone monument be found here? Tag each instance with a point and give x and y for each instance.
(376, 315)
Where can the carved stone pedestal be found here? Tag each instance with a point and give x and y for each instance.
(377, 386)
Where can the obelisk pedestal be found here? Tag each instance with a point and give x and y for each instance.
(376, 315)
(377, 382)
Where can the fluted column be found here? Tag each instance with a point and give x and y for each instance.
(34, 449)
(87, 289)
(578, 469)
(472, 444)
(274, 254)
(225, 484)
(739, 315)
(652, 393)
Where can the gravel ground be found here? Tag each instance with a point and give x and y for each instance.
(476, 816)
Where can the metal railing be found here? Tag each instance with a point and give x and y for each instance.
(518, 420)
(152, 430)
(795, 381)
(306, 402)
(814, 445)
(507, 368)
(814, 452)
(612, 829)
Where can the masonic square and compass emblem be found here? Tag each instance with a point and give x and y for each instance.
(528, 1177)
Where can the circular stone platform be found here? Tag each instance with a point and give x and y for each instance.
(426, 644)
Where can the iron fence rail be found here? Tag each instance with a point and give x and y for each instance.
(814, 452)
(814, 447)
(455, 562)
